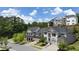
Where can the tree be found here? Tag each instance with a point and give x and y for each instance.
(11, 25)
(38, 24)
(34, 24)
(3, 43)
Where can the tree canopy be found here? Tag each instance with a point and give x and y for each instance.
(11, 25)
(38, 24)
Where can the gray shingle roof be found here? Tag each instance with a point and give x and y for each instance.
(56, 19)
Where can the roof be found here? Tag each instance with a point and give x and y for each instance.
(70, 16)
(56, 19)
(34, 29)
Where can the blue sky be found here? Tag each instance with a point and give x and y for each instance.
(39, 14)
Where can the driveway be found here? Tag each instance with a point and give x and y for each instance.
(17, 47)
(52, 47)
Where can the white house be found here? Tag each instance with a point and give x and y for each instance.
(56, 34)
(71, 20)
(66, 20)
(51, 36)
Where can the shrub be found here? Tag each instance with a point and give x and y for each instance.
(62, 44)
(3, 44)
(18, 37)
(42, 39)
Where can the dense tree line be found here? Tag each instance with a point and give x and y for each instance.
(11, 25)
(38, 24)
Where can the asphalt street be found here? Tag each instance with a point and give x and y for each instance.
(17, 47)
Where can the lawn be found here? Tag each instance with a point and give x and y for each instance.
(76, 45)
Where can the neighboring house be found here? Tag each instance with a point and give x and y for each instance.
(33, 33)
(55, 34)
(67, 20)
(57, 21)
(71, 19)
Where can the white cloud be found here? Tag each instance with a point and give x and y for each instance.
(10, 12)
(56, 11)
(27, 19)
(69, 12)
(47, 19)
(33, 13)
(40, 20)
(13, 12)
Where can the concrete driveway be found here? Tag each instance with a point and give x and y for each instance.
(52, 47)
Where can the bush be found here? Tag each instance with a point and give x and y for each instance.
(62, 46)
(18, 37)
(3, 41)
(3, 44)
(42, 39)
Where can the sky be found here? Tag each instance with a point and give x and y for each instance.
(38, 14)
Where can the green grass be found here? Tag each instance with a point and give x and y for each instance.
(76, 45)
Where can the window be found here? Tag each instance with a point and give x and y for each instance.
(45, 32)
(59, 36)
(49, 39)
(53, 34)
(49, 35)
(62, 34)
(68, 21)
(72, 20)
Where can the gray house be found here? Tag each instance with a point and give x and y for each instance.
(55, 34)
(52, 34)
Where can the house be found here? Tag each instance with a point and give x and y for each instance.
(66, 20)
(32, 33)
(71, 20)
(55, 34)
(57, 21)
